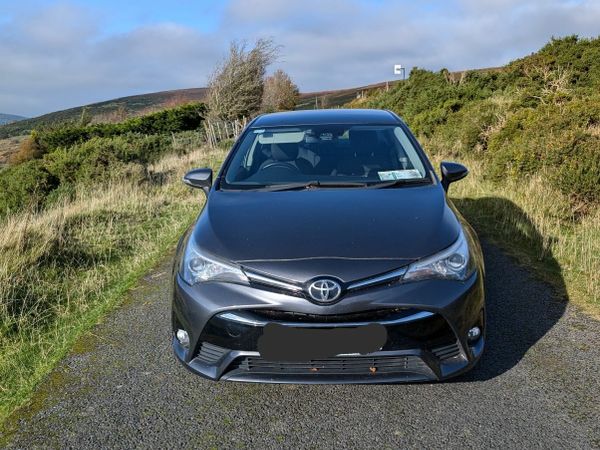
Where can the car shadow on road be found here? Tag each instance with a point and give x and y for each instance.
(521, 308)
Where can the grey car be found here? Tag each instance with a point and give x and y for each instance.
(328, 252)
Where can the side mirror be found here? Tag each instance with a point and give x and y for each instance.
(199, 178)
(452, 172)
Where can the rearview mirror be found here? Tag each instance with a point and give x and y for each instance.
(199, 178)
(452, 172)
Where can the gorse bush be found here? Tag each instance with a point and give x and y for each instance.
(428, 99)
(70, 155)
(539, 113)
(560, 138)
(24, 185)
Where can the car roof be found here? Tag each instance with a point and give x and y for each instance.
(326, 116)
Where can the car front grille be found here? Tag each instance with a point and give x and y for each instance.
(339, 366)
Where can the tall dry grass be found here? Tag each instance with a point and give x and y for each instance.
(62, 268)
(535, 222)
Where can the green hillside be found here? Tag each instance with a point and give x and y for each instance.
(132, 106)
(338, 98)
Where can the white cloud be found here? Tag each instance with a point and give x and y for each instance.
(357, 42)
(60, 56)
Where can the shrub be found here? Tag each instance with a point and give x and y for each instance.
(29, 148)
(183, 118)
(280, 93)
(25, 185)
(556, 138)
(51, 162)
(470, 129)
(579, 174)
(40, 182)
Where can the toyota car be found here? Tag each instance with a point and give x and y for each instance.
(328, 252)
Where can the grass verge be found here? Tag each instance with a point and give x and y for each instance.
(534, 222)
(62, 269)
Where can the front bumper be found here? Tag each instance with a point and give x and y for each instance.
(426, 323)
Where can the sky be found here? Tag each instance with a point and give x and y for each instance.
(60, 54)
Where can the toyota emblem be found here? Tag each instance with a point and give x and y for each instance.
(324, 290)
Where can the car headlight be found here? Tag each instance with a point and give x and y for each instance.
(197, 267)
(453, 263)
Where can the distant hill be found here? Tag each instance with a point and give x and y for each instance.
(103, 111)
(9, 118)
(338, 97)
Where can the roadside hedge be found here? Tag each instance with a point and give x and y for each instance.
(168, 121)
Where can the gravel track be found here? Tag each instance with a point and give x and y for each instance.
(537, 386)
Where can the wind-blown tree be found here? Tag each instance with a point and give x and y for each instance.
(236, 86)
(280, 93)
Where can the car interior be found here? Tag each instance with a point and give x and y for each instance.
(322, 153)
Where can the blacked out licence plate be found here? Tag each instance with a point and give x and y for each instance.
(285, 343)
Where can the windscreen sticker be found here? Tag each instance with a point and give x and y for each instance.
(407, 174)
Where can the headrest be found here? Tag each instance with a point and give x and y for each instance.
(284, 152)
(363, 137)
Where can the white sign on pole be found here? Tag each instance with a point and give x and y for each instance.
(398, 69)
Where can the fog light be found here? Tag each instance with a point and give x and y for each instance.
(233, 330)
(473, 334)
(183, 338)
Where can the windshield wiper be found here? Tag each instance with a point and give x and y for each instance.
(395, 183)
(312, 184)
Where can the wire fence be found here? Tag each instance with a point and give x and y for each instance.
(221, 130)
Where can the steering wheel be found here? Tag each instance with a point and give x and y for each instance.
(281, 165)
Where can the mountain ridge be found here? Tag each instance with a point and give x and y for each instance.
(10, 118)
(131, 105)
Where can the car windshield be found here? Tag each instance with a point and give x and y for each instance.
(325, 155)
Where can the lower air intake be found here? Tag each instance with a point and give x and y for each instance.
(210, 354)
(335, 366)
(447, 351)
